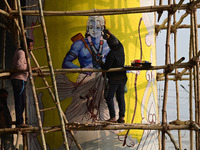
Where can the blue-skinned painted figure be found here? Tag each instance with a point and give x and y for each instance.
(87, 104)
(89, 49)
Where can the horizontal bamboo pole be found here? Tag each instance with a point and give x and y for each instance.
(174, 79)
(183, 26)
(5, 74)
(100, 126)
(35, 5)
(47, 109)
(82, 70)
(104, 11)
(42, 88)
(41, 47)
(32, 27)
(173, 66)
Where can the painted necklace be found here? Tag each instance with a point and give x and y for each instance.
(97, 53)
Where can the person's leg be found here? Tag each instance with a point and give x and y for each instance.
(19, 95)
(120, 99)
(109, 99)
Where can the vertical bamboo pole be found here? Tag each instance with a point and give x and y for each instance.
(52, 75)
(194, 70)
(197, 109)
(190, 95)
(191, 77)
(164, 114)
(176, 82)
(190, 88)
(30, 76)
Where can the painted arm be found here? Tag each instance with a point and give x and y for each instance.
(72, 55)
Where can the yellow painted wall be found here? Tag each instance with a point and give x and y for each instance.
(126, 27)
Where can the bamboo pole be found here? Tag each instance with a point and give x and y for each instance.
(197, 110)
(103, 11)
(15, 20)
(52, 75)
(182, 26)
(172, 67)
(164, 115)
(160, 12)
(173, 141)
(194, 70)
(5, 13)
(176, 81)
(30, 76)
(106, 126)
(191, 50)
(5, 73)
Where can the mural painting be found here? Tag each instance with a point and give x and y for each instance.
(82, 94)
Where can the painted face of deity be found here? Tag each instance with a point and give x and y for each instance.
(95, 28)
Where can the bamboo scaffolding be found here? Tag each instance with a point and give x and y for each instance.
(52, 95)
(175, 26)
(193, 62)
(30, 75)
(15, 20)
(52, 74)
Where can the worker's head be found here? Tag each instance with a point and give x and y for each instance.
(95, 26)
(3, 95)
(29, 44)
(112, 41)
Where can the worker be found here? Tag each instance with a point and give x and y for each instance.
(18, 80)
(116, 80)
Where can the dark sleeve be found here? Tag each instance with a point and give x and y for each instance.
(109, 61)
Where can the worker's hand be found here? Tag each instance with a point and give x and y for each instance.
(107, 34)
